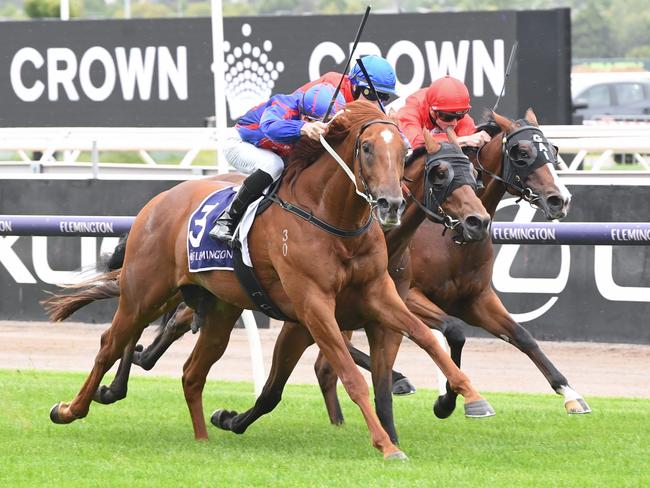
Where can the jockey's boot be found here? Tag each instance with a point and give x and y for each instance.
(251, 189)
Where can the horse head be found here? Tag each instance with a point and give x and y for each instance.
(377, 160)
(522, 158)
(448, 185)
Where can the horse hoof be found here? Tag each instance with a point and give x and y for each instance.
(444, 406)
(403, 387)
(577, 407)
(222, 419)
(56, 417)
(478, 409)
(396, 456)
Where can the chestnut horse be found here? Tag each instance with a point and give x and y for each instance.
(436, 175)
(518, 160)
(318, 279)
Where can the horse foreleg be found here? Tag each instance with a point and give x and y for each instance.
(452, 329)
(210, 346)
(392, 313)
(384, 345)
(316, 311)
(488, 312)
(289, 347)
(401, 384)
(172, 330)
(327, 380)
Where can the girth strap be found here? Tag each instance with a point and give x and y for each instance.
(248, 280)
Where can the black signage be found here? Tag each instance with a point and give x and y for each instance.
(112, 73)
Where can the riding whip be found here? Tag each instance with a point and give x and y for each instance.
(347, 64)
(503, 87)
(370, 84)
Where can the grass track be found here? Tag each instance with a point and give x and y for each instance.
(146, 440)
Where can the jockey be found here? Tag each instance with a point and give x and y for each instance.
(263, 137)
(355, 86)
(444, 103)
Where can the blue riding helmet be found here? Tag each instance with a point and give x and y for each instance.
(316, 100)
(380, 71)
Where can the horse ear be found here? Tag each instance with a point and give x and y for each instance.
(504, 122)
(430, 143)
(392, 115)
(451, 135)
(531, 118)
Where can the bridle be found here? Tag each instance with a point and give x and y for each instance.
(523, 151)
(366, 194)
(435, 193)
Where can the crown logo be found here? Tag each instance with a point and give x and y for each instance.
(250, 74)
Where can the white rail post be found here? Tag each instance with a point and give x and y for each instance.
(255, 345)
(218, 70)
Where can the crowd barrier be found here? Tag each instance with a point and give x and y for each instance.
(570, 233)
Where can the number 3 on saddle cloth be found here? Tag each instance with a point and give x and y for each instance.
(205, 253)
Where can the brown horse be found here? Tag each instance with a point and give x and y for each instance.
(317, 278)
(518, 160)
(461, 281)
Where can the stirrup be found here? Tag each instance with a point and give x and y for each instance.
(223, 229)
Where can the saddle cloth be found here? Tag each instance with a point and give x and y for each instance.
(205, 253)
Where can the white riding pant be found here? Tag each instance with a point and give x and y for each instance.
(246, 157)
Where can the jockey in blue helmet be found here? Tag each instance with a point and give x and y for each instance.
(264, 137)
(355, 86)
(382, 76)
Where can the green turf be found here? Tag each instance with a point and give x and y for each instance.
(146, 440)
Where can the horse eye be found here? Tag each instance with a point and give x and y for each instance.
(366, 147)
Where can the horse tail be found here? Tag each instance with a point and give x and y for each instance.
(60, 306)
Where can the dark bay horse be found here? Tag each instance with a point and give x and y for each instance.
(317, 278)
(518, 160)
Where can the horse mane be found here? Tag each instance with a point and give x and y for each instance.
(345, 123)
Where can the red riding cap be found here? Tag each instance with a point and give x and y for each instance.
(448, 94)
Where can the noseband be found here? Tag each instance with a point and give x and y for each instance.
(524, 151)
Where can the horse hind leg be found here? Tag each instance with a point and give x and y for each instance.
(118, 388)
(124, 329)
(213, 339)
(172, 330)
(289, 347)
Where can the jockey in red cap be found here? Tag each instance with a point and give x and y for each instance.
(443, 104)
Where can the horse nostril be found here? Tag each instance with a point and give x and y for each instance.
(383, 204)
(391, 204)
(473, 222)
(555, 202)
